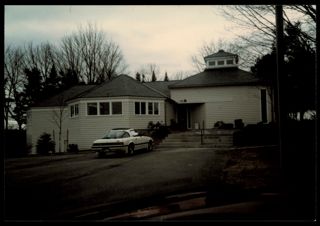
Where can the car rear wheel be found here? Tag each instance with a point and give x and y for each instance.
(150, 146)
(131, 149)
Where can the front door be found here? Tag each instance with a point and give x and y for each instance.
(184, 120)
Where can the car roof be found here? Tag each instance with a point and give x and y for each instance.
(122, 129)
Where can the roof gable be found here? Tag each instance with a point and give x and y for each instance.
(122, 85)
(218, 77)
(161, 86)
(61, 98)
(221, 53)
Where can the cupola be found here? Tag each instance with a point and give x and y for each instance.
(221, 59)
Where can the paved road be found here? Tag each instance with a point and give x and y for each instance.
(52, 187)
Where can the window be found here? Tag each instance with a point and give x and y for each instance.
(212, 63)
(229, 61)
(150, 108)
(156, 108)
(221, 62)
(143, 108)
(264, 105)
(137, 108)
(74, 110)
(104, 108)
(140, 108)
(116, 108)
(92, 109)
(125, 135)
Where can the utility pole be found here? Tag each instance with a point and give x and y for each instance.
(281, 105)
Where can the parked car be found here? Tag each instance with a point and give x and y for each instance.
(122, 140)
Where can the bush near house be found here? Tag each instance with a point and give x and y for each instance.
(222, 125)
(45, 144)
(15, 144)
(73, 148)
(256, 134)
(158, 131)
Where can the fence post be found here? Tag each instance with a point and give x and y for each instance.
(202, 131)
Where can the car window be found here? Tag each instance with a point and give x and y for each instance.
(125, 135)
(113, 134)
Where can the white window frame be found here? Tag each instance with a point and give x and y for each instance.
(99, 113)
(72, 107)
(140, 107)
(154, 104)
(110, 107)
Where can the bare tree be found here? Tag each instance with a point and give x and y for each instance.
(94, 58)
(42, 57)
(259, 21)
(148, 70)
(13, 79)
(246, 60)
(180, 75)
(59, 116)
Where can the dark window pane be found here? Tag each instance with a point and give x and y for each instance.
(92, 108)
(212, 63)
(76, 109)
(156, 108)
(150, 108)
(71, 110)
(220, 62)
(229, 61)
(137, 108)
(104, 108)
(143, 108)
(116, 108)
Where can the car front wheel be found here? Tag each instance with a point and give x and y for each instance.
(131, 149)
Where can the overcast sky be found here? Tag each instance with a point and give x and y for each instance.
(165, 35)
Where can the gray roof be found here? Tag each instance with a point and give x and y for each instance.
(218, 77)
(122, 85)
(220, 53)
(161, 86)
(61, 98)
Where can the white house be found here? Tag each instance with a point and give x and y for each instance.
(222, 92)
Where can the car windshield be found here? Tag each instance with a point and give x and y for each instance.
(113, 134)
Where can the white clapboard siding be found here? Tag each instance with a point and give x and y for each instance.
(224, 103)
(93, 127)
(41, 120)
(142, 121)
(170, 112)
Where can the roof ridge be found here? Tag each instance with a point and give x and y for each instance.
(155, 90)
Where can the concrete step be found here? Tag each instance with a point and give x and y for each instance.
(183, 145)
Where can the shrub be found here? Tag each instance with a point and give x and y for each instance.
(256, 134)
(45, 144)
(158, 131)
(73, 148)
(218, 124)
(238, 124)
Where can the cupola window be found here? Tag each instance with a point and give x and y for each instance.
(229, 62)
(221, 62)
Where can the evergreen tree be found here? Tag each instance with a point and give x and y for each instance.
(166, 78)
(154, 78)
(69, 79)
(299, 71)
(143, 78)
(33, 87)
(53, 83)
(138, 77)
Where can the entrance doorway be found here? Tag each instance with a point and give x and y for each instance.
(184, 117)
